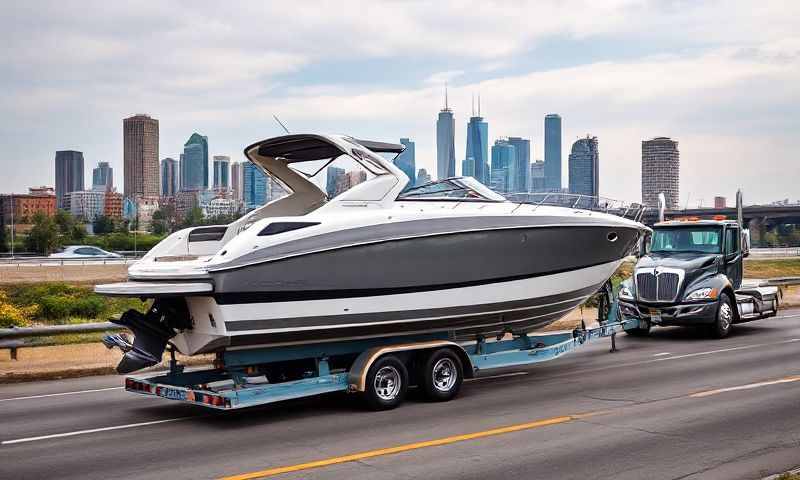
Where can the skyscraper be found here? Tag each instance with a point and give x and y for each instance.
(103, 177)
(69, 174)
(333, 179)
(140, 155)
(503, 166)
(255, 186)
(237, 181)
(584, 167)
(537, 177)
(445, 142)
(423, 177)
(660, 171)
(468, 167)
(522, 164)
(170, 177)
(222, 166)
(194, 163)
(478, 145)
(552, 152)
(407, 161)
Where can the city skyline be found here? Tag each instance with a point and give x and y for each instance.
(720, 82)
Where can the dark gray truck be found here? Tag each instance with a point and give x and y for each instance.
(690, 274)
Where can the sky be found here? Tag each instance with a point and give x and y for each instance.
(720, 77)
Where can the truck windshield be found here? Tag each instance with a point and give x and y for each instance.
(685, 239)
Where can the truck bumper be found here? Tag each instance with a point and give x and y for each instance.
(682, 314)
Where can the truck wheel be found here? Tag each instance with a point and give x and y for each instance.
(386, 383)
(441, 375)
(722, 325)
(641, 331)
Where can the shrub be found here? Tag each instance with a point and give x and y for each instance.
(15, 316)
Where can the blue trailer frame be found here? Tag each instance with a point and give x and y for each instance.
(236, 388)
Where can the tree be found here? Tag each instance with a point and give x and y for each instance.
(194, 217)
(43, 237)
(5, 235)
(103, 225)
(77, 233)
(65, 222)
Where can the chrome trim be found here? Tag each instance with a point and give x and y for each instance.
(652, 270)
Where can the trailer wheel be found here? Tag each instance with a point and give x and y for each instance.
(386, 383)
(722, 325)
(442, 374)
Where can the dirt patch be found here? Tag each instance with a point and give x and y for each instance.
(756, 268)
(91, 274)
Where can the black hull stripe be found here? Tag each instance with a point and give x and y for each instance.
(473, 313)
(303, 295)
(464, 332)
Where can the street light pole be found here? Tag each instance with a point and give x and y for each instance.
(12, 226)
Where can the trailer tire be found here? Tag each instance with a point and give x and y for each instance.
(441, 375)
(386, 383)
(725, 317)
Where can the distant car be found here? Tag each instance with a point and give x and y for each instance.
(84, 251)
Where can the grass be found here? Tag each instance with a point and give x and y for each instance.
(788, 476)
(789, 267)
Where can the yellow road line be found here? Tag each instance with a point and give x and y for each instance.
(407, 447)
(707, 393)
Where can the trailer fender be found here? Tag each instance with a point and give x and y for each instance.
(356, 377)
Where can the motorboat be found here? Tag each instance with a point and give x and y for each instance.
(353, 252)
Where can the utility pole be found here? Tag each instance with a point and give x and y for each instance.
(12, 226)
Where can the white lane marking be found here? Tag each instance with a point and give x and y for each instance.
(512, 374)
(661, 354)
(92, 430)
(29, 397)
(721, 350)
(748, 386)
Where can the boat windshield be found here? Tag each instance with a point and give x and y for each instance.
(452, 189)
(687, 240)
(336, 175)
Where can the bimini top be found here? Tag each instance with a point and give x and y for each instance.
(308, 147)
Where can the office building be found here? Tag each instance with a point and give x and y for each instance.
(112, 205)
(170, 177)
(140, 156)
(660, 171)
(552, 152)
(720, 202)
(103, 177)
(20, 208)
(478, 145)
(423, 177)
(194, 163)
(222, 166)
(86, 204)
(537, 177)
(407, 161)
(255, 187)
(237, 181)
(332, 180)
(468, 167)
(445, 142)
(522, 164)
(69, 175)
(584, 167)
(503, 166)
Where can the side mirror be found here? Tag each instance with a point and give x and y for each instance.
(745, 242)
(642, 246)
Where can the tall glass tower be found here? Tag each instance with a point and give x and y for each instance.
(445, 142)
(503, 166)
(255, 186)
(522, 164)
(552, 152)
(103, 177)
(222, 164)
(194, 163)
(478, 145)
(584, 167)
(407, 160)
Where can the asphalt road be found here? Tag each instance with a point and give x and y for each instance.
(674, 405)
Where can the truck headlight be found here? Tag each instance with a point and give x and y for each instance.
(625, 293)
(707, 293)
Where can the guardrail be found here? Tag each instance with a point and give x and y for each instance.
(45, 261)
(10, 337)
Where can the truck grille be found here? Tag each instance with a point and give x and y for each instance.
(657, 288)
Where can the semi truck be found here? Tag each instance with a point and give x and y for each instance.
(690, 274)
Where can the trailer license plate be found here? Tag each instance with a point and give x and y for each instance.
(172, 393)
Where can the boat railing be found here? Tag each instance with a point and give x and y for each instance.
(631, 210)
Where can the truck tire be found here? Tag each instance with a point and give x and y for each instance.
(441, 375)
(386, 383)
(725, 316)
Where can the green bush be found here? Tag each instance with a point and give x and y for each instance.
(59, 302)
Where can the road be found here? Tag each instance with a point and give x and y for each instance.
(671, 406)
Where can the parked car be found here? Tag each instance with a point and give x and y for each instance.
(84, 251)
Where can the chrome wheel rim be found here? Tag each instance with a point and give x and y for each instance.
(725, 316)
(387, 383)
(444, 375)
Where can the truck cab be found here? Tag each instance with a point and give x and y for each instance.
(690, 274)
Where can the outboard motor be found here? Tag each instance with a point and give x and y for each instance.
(152, 331)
